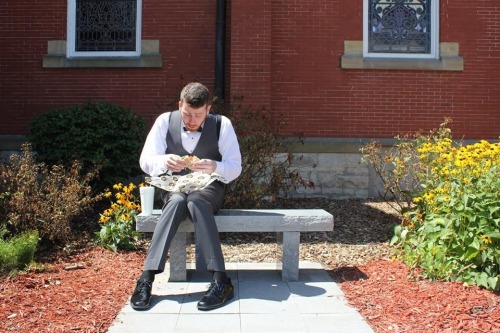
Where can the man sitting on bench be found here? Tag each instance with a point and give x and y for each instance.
(190, 131)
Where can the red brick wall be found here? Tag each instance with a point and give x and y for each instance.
(320, 99)
(186, 31)
(250, 51)
(282, 54)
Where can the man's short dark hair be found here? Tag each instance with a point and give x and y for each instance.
(195, 94)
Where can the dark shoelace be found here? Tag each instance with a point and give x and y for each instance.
(216, 289)
(143, 285)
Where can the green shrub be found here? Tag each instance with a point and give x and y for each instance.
(4, 196)
(44, 199)
(97, 134)
(18, 252)
(118, 221)
(25, 247)
(8, 259)
(267, 165)
(450, 227)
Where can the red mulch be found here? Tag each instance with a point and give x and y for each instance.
(88, 298)
(85, 299)
(391, 302)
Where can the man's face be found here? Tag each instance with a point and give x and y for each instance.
(193, 117)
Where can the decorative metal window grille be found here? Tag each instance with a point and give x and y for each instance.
(105, 25)
(399, 26)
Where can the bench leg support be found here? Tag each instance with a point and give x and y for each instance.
(290, 261)
(178, 257)
(289, 265)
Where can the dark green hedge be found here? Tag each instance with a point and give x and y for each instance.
(96, 133)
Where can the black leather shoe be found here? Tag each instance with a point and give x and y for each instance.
(218, 294)
(141, 298)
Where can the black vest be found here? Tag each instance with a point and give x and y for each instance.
(207, 147)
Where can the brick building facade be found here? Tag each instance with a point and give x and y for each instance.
(300, 60)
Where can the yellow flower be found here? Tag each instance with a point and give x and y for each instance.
(124, 208)
(104, 219)
(486, 239)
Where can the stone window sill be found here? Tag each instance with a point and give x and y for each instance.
(56, 57)
(449, 59)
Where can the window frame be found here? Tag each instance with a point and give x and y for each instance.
(71, 40)
(434, 53)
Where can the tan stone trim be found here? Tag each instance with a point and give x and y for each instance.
(56, 57)
(449, 60)
(333, 145)
(310, 145)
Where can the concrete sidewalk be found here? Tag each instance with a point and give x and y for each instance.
(262, 303)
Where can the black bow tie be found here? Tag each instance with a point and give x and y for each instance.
(199, 129)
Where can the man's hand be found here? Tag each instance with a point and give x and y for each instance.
(205, 166)
(174, 163)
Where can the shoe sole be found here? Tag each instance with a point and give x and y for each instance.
(141, 307)
(224, 302)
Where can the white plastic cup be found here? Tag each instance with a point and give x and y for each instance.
(147, 199)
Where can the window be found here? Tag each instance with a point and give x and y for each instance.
(104, 28)
(400, 28)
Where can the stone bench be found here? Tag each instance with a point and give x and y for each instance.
(287, 223)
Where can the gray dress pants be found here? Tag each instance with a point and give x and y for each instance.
(200, 207)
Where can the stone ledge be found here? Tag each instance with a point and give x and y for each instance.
(56, 57)
(449, 59)
(310, 145)
(12, 142)
(333, 145)
(144, 61)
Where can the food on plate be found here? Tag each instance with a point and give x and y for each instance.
(189, 160)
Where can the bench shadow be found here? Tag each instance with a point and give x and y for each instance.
(347, 274)
(360, 222)
(258, 284)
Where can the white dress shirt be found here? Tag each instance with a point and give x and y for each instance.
(152, 160)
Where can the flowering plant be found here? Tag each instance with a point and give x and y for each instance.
(118, 221)
(452, 229)
(451, 216)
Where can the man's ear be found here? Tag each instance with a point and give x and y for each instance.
(180, 105)
(208, 108)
